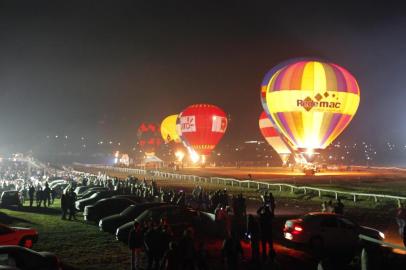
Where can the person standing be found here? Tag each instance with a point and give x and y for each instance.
(53, 195)
(265, 222)
(329, 207)
(324, 206)
(187, 250)
(152, 243)
(64, 205)
(401, 219)
(72, 209)
(232, 251)
(339, 207)
(39, 196)
(254, 235)
(135, 244)
(47, 195)
(31, 193)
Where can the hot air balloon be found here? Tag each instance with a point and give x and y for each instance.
(149, 138)
(273, 137)
(168, 129)
(202, 126)
(311, 102)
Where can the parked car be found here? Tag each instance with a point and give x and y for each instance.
(91, 191)
(27, 259)
(111, 223)
(80, 190)
(327, 230)
(106, 207)
(9, 198)
(80, 204)
(57, 182)
(25, 237)
(178, 218)
(132, 197)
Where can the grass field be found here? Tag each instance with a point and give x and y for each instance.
(77, 244)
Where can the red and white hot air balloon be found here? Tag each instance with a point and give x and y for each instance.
(274, 138)
(202, 126)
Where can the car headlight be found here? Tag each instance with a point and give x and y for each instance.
(382, 235)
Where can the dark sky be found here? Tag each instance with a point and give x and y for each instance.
(99, 68)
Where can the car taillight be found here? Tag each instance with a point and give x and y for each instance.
(297, 229)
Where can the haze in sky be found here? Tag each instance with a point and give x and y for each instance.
(97, 69)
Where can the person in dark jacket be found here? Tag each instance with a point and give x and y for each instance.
(152, 246)
(135, 244)
(46, 195)
(31, 193)
(171, 258)
(265, 222)
(53, 195)
(255, 236)
(187, 250)
(232, 251)
(72, 200)
(64, 205)
(39, 194)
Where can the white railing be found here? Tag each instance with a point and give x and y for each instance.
(246, 183)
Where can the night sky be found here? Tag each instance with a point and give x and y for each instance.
(99, 68)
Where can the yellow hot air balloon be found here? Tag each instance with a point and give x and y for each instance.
(311, 101)
(168, 129)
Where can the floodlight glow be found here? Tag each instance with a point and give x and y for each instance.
(310, 152)
(193, 155)
(180, 155)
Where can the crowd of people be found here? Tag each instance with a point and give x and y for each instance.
(164, 251)
(330, 207)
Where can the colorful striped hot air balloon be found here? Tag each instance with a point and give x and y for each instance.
(273, 137)
(311, 101)
(168, 129)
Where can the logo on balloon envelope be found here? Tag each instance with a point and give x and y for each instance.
(219, 124)
(308, 104)
(188, 123)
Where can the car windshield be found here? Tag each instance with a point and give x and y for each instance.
(345, 222)
(128, 210)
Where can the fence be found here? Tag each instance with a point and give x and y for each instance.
(247, 183)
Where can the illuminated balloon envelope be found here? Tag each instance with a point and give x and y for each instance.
(202, 126)
(273, 138)
(311, 102)
(149, 138)
(168, 129)
(179, 131)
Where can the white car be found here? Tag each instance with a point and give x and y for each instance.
(328, 230)
(56, 183)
